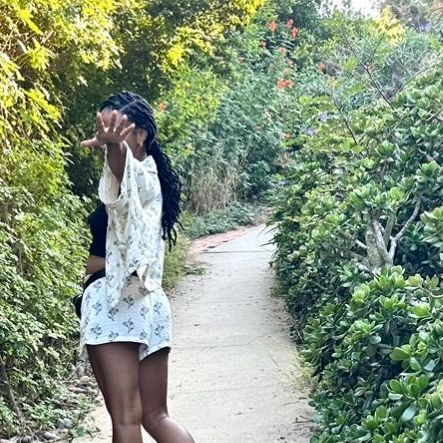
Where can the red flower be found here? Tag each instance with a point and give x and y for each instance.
(162, 106)
(290, 24)
(272, 26)
(295, 32)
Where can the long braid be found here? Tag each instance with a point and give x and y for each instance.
(170, 190)
(141, 114)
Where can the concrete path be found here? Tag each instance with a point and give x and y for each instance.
(234, 376)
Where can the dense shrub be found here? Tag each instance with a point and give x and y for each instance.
(223, 124)
(58, 60)
(359, 233)
(42, 234)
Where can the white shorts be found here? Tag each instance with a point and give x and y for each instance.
(139, 317)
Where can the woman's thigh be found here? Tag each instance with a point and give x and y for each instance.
(116, 367)
(154, 383)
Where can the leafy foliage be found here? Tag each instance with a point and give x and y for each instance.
(58, 60)
(222, 220)
(358, 212)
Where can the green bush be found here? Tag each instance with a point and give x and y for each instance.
(58, 61)
(175, 263)
(359, 233)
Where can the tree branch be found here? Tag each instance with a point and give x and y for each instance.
(345, 120)
(363, 264)
(10, 394)
(389, 227)
(361, 244)
(411, 219)
(357, 241)
(379, 241)
(368, 71)
(401, 233)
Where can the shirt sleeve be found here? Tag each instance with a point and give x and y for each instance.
(134, 225)
(125, 201)
(137, 183)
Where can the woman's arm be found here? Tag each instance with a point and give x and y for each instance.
(116, 153)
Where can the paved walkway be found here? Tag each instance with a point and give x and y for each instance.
(233, 367)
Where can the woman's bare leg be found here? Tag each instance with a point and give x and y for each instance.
(153, 389)
(116, 367)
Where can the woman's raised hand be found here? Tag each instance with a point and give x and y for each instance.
(117, 131)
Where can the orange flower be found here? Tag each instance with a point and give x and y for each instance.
(322, 67)
(290, 24)
(284, 84)
(295, 32)
(162, 106)
(282, 51)
(272, 26)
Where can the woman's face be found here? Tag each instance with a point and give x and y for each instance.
(135, 139)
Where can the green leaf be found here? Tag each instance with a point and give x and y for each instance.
(409, 413)
(414, 364)
(381, 413)
(421, 310)
(436, 401)
(423, 382)
(374, 339)
(396, 386)
(430, 365)
(398, 354)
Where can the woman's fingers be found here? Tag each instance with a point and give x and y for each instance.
(116, 132)
(126, 131)
(100, 125)
(91, 143)
(113, 120)
(121, 124)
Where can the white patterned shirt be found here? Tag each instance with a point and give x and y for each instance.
(134, 234)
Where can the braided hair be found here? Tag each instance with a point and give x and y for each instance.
(141, 114)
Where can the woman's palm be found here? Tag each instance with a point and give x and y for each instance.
(116, 133)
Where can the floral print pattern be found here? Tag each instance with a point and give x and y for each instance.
(121, 306)
(146, 321)
(134, 236)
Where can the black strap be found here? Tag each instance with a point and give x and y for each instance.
(77, 300)
(93, 278)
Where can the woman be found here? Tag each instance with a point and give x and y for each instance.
(125, 326)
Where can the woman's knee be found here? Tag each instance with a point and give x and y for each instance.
(152, 419)
(126, 416)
